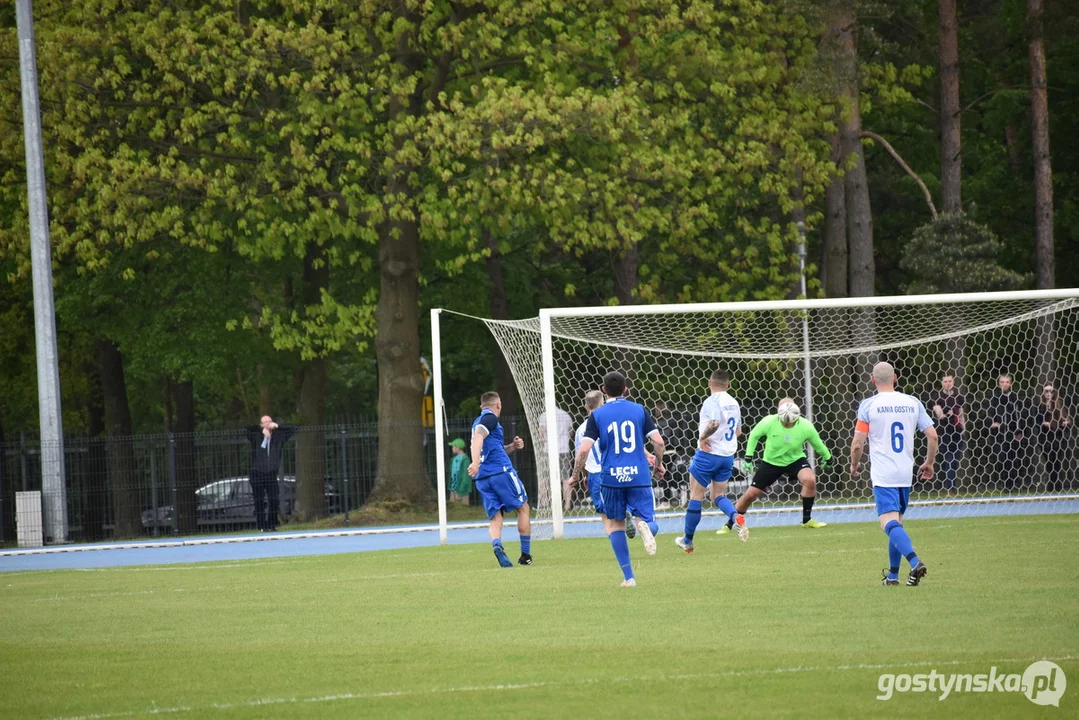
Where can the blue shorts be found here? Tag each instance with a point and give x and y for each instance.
(595, 481)
(638, 500)
(707, 468)
(501, 492)
(891, 499)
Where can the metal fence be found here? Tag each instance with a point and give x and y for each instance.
(184, 484)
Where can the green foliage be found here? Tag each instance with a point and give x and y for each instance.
(955, 254)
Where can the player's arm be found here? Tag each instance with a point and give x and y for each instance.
(591, 435)
(933, 441)
(861, 433)
(857, 447)
(926, 426)
(708, 426)
(754, 438)
(818, 444)
(515, 444)
(479, 434)
(652, 433)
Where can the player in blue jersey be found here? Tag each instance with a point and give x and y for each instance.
(888, 420)
(497, 481)
(620, 427)
(713, 463)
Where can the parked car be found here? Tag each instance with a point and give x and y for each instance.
(231, 502)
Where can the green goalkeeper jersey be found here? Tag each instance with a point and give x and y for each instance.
(785, 445)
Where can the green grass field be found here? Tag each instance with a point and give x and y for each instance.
(792, 624)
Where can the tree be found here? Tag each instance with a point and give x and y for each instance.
(1043, 172)
(953, 254)
(951, 167)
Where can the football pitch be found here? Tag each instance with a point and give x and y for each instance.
(792, 624)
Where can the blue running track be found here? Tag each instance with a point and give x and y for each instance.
(328, 542)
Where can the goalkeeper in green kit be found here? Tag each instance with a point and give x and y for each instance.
(785, 435)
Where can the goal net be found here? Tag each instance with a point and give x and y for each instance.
(1008, 452)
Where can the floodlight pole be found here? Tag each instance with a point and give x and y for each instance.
(806, 371)
(54, 491)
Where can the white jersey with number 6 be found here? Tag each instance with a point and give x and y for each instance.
(890, 419)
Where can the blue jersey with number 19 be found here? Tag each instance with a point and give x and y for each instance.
(890, 418)
(620, 428)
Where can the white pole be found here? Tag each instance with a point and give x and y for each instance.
(54, 489)
(549, 407)
(440, 429)
(806, 369)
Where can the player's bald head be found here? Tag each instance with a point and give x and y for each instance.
(883, 373)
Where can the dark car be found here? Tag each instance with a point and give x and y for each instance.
(231, 502)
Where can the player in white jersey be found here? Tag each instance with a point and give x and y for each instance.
(720, 428)
(888, 420)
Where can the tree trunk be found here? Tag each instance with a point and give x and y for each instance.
(265, 395)
(97, 462)
(183, 398)
(311, 442)
(856, 186)
(835, 272)
(950, 148)
(507, 388)
(1044, 255)
(1044, 261)
(126, 504)
(401, 474)
(311, 402)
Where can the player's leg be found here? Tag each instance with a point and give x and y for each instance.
(723, 503)
(492, 505)
(891, 504)
(808, 479)
(700, 473)
(513, 496)
(524, 529)
(614, 503)
(763, 479)
(642, 503)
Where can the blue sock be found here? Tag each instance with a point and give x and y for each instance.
(526, 544)
(621, 552)
(726, 507)
(496, 543)
(693, 518)
(901, 541)
(654, 527)
(894, 560)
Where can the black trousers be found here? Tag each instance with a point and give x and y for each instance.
(267, 499)
(1011, 456)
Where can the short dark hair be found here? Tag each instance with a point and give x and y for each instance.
(614, 384)
(488, 398)
(720, 377)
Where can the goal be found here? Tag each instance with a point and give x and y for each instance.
(818, 352)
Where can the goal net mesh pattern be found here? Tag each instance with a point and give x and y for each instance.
(667, 358)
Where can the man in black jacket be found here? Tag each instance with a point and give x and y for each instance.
(267, 440)
(1010, 426)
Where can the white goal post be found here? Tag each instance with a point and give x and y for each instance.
(818, 352)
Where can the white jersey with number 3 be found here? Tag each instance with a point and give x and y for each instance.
(724, 409)
(890, 419)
